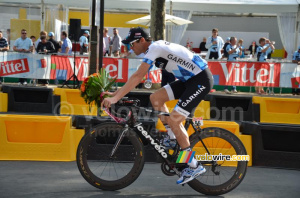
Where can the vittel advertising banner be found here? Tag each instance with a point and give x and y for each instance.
(22, 65)
(36, 66)
(246, 73)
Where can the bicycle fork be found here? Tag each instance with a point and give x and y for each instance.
(119, 140)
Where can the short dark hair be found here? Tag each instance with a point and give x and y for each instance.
(0, 31)
(215, 29)
(261, 40)
(232, 38)
(64, 33)
(32, 37)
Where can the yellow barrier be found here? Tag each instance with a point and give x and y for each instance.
(3, 102)
(278, 110)
(72, 103)
(42, 138)
(202, 110)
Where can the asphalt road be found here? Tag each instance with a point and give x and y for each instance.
(62, 179)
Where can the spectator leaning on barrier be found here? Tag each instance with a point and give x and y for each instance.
(3, 47)
(214, 44)
(84, 42)
(225, 53)
(3, 43)
(202, 45)
(42, 33)
(233, 51)
(33, 39)
(296, 59)
(253, 48)
(240, 43)
(24, 45)
(262, 57)
(44, 46)
(54, 42)
(66, 46)
(115, 43)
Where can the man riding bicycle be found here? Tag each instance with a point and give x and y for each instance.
(194, 82)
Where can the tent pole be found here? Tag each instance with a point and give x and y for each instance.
(101, 33)
(42, 15)
(297, 28)
(169, 26)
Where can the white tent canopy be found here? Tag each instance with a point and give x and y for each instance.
(225, 6)
(288, 11)
(170, 20)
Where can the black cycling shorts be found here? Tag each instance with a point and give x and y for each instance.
(191, 92)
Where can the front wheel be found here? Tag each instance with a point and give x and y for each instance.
(110, 172)
(221, 175)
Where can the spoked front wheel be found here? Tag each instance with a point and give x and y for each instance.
(106, 171)
(222, 175)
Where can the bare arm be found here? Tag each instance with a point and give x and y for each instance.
(67, 50)
(16, 49)
(5, 48)
(270, 45)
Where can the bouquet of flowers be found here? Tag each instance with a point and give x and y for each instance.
(93, 86)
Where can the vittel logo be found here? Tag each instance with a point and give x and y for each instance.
(159, 148)
(248, 73)
(14, 67)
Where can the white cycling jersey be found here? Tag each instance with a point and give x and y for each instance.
(175, 59)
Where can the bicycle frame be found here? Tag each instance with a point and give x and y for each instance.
(131, 122)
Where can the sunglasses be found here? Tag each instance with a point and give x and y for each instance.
(131, 43)
(24, 33)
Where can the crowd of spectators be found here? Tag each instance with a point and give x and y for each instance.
(214, 45)
(233, 49)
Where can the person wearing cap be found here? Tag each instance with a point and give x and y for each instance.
(296, 59)
(214, 44)
(54, 42)
(194, 82)
(84, 42)
(225, 53)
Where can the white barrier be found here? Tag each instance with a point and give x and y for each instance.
(242, 73)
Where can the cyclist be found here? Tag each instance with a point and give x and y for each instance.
(194, 82)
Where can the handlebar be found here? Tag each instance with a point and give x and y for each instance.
(129, 102)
